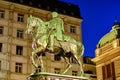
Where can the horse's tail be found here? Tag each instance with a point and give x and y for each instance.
(80, 48)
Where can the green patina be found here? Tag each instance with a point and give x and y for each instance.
(49, 37)
(112, 35)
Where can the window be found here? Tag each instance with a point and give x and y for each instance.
(56, 9)
(19, 33)
(19, 50)
(18, 67)
(38, 69)
(64, 11)
(57, 70)
(30, 3)
(74, 73)
(72, 29)
(88, 72)
(48, 7)
(108, 71)
(39, 5)
(0, 65)
(21, 1)
(1, 29)
(57, 58)
(2, 13)
(0, 47)
(72, 13)
(103, 72)
(20, 18)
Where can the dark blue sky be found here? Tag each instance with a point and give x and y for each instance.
(98, 18)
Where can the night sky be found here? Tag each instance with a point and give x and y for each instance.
(98, 19)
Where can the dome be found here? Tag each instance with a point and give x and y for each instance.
(113, 34)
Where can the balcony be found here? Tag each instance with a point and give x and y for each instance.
(108, 47)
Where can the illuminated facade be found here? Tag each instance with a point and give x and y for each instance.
(15, 45)
(89, 68)
(108, 55)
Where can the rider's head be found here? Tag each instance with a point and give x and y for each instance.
(54, 14)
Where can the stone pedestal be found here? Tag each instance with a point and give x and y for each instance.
(52, 76)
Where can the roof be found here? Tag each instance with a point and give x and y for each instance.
(112, 35)
(52, 5)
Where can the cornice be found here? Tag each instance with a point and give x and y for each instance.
(110, 54)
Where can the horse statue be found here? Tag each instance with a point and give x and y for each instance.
(66, 49)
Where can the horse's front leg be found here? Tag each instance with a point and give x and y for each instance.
(33, 61)
(42, 65)
(69, 64)
(38, 50)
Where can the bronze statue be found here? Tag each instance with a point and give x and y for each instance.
(48, 35)
(56, 28)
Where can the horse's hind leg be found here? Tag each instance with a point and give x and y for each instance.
(81, 66)
(67, 60)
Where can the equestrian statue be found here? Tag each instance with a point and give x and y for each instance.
(48, 36)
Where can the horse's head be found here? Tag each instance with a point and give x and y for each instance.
(35, 25)
(31, 23)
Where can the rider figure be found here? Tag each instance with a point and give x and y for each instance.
(56, 27)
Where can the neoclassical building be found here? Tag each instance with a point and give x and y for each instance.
(15, 45)
(108, 55)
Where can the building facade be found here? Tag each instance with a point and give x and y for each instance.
(108, 55)
(89, 68)
(15, 45)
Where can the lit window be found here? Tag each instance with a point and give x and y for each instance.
(57, 70)
(74, 73)
(38, 69)
(2, 13)
(19, 50)
(19, 33)
(18, 67)
(72, 29)
(21, 17)
(0, 47)
(1, 29)
(0, 65)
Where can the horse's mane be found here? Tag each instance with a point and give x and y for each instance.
(41, 28)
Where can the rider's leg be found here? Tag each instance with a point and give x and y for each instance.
(50, 47)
